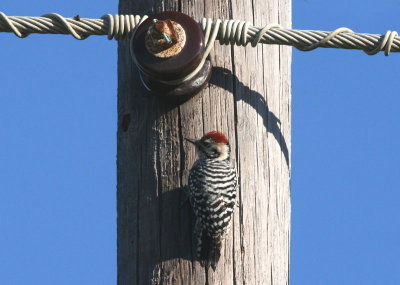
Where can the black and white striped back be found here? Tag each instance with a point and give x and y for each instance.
(213, 192)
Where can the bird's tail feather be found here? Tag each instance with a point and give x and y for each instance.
(210, 250)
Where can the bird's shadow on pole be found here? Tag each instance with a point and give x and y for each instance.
(175, 235)
(254, 99)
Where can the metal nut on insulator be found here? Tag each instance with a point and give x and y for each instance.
(168, 49)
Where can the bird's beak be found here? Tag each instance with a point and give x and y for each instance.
(190, 140)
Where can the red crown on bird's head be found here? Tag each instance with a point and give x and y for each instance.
(217, 137)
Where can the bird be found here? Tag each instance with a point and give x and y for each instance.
(212, 192)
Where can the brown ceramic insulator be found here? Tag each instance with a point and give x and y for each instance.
(154, 70)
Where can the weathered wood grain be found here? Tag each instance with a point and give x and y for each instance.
(248, 99)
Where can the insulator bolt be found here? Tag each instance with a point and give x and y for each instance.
(163, 34)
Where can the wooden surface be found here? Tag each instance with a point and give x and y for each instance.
(249, 100)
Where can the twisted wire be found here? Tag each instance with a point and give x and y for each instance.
(118, 26)
(227, 32)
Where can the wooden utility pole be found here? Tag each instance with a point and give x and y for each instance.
(249, 100)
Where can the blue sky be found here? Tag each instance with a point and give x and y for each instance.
(58, 152)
